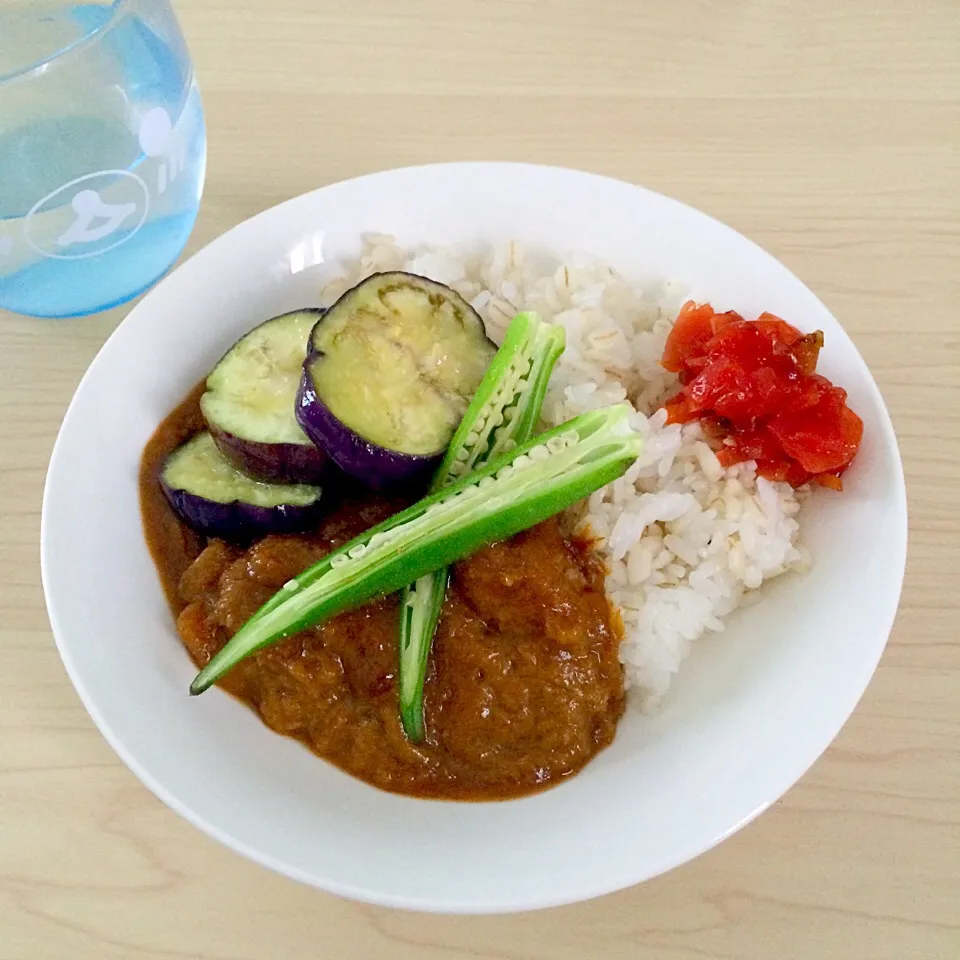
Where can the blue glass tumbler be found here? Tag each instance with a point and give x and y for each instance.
(102, 152)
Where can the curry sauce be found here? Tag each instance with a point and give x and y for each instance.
(524, 685)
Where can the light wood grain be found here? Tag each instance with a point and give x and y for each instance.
(828, 132)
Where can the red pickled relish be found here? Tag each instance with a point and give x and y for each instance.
(754, 385)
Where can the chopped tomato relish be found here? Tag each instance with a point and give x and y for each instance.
(754, 386)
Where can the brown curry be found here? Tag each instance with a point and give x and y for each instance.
(524, 685)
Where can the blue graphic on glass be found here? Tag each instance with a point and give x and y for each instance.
(102, 152)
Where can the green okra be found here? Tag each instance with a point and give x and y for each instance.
(504, 412)
(512, 493)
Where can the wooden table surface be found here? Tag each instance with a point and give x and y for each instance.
(829, 133)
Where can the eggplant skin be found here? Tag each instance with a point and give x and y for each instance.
(273, 462)
(375, 466)
(217, 500)
(390, 369)
(249, 401)
(239, 522)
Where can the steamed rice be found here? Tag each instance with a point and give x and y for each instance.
(685, 540)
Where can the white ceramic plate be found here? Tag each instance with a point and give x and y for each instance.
(752, 709)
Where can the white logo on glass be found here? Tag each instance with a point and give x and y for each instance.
(6, 245)
(158, 138)
(108, 201)
(99, 205)
(96, 219)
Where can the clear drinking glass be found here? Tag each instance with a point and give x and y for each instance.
(102, 152)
